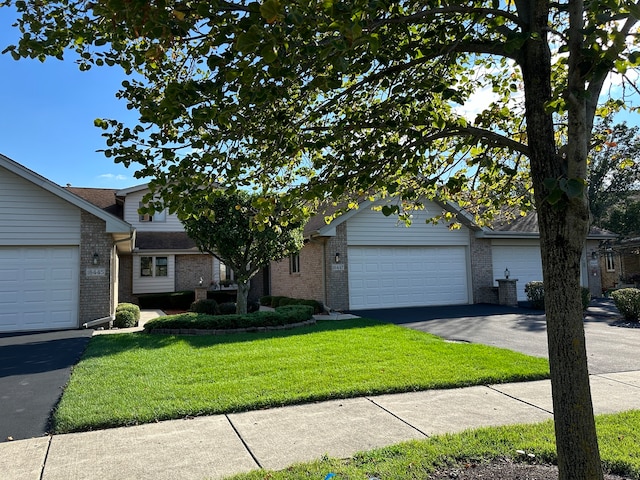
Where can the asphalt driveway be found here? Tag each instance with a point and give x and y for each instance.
(34, 368)
(609, 348)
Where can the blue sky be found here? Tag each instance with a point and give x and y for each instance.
(47, 112)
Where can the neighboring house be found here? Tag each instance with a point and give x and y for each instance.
(620, 263)
(58, 254)
(164, 258)
(363, 259)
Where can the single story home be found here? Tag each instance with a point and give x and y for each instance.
(58, 254)
(364, 259)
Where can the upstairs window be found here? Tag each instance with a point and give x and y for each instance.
(155, 217)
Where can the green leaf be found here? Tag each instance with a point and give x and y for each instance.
(575, 187)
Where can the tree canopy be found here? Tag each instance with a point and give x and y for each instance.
(330, 99)
(614, 172)
(224, 228)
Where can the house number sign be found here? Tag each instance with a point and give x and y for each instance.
(96, 272)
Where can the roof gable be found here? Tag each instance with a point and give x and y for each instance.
(113, 224)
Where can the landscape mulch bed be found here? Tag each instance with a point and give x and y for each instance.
(503, 470)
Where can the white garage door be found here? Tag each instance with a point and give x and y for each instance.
(384, 277)
(38, 288)
(523, 262)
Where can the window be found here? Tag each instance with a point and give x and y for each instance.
(610, 260)
(154, 266)
(226, 274)
(156, 217)
(294, 263)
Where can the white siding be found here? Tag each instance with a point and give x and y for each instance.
(131, 215)
(370, 227)
(153, 284)
(29, 215)
(522, 259)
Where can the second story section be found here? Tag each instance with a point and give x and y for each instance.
(132, 199)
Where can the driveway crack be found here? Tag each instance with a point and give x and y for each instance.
(46, 457)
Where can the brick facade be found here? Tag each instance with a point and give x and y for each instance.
(189, 270)
(482, 279)
(308, 282)
(97, 295)
(337, 274)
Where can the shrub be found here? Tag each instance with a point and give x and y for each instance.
(253, 307)
(586, 298)
(296, 313)
(209, 307)
(627, 302)
(131, 307)
(281, 316)
(227, 308)
(275, 301)
(125, 319)
(265, 300)
(535, 295)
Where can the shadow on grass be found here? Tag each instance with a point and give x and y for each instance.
(110, 344)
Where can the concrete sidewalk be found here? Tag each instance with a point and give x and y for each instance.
(217, 446)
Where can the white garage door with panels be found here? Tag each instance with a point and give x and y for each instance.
(38, 288)
(523, 262)
(385, 277)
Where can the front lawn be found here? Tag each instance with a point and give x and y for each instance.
(127, 379)
(618, 437)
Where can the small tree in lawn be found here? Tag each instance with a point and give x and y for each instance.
(224, 225)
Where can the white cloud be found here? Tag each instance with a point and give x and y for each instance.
(111, 176)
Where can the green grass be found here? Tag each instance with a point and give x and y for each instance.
(618, 434)
(128, 379)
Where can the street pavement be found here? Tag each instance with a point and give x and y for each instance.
(217, 446)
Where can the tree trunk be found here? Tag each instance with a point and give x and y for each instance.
(563, 228)
(243, 295)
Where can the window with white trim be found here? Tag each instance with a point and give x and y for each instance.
(610, 262)
(155, 217)
(226, 274)
(294, 263)
(154, 266)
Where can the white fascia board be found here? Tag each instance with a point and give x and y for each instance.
(136, 188)
(113, 224)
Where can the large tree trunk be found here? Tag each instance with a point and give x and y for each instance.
(563, 229)
(243, 295)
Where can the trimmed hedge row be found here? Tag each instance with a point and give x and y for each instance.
(627, 302)
(281, 316)
(278, 301)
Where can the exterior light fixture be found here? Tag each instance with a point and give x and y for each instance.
(506, 273)
(594, 255)
(96, 258)
(337, 257)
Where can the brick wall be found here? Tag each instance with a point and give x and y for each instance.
(337, 274)
(307, 283)
(189, 269)
(482, 279)
(97, 297)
